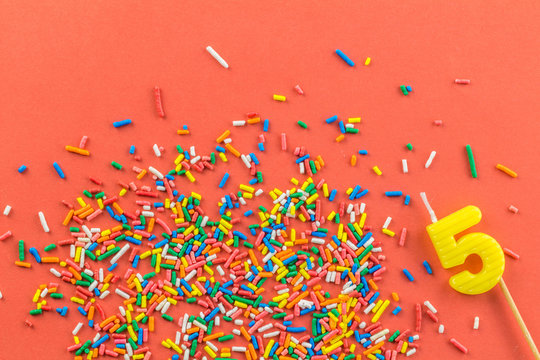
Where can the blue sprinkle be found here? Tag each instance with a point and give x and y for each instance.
(342, 127)
(331, 119)
(121, 123)
(300, 159)
(344, 57)
(224, 180)
(132, 149)
(408, 275)
(407, 199)
(59, 170)
(428, 267)
(409, 88)
(35, 254)
(248, 213)
(396, 311)
(333, 194)
(393, 193)
(21, 168)
(362, 152)
(265, 125)
(261, 146)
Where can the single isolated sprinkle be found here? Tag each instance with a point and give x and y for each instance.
(344, 57)
(506, 170)
(121, 123)
(216, 56)
(462, 81)
(430, 159)
(472, 163)
(43, 222)
(21, 168)
(59, 170)
(277, 97)
(7, 210)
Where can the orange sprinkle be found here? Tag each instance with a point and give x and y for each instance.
(77, 150)
(340, 138)
(223, 136)
(506, 170)
(68, 217)
(23, 264)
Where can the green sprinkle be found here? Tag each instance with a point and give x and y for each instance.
(409, 146)
(87, 194)
(167, 317)
(50, 247)
(471, 161)
(56, 295)
(21, 250)
(404, 90)
(36, 312)
(116, 165)
(225, 338)
(74, 229)
(302, 124)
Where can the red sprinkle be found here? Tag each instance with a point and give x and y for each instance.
(459, 345)
(159, 105)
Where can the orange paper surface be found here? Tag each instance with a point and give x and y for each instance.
(71, 68)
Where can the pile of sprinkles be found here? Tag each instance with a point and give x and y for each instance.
(283, 274)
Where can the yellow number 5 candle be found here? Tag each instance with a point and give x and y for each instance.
(453, 252)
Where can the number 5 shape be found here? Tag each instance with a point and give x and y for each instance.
(452, 252)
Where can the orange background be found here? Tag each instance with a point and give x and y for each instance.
(71, 68)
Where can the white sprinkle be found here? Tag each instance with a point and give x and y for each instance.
(410, 352)
(1, 296)
(216, 56)
(122, 294)
(55, 272)
(43, 222)
(430, 159)
(104, 294)
(238, 123)
(246, 161)
(155, 172)
(195, 159)
(119, 254)
(428, 207)
(441, 329)
(387, 222)
(238, 348)
(405, 166)
(156, 150)
(77, 328)
(476, 323)
(430, 307)
(7, 210)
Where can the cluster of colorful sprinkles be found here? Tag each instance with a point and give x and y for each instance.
(298, 281)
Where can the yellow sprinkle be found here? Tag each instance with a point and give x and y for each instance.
(279, 97)
(377, 171)
(368, 61)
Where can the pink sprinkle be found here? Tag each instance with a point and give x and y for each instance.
(418, 317)
(299, 90)
(513, 209)
(459, 345)
(402, 237)
(462, 81)
(83, 142)
(283, 141)
(438, 122)
(159, 104)
(510, 253)
(6, 235)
